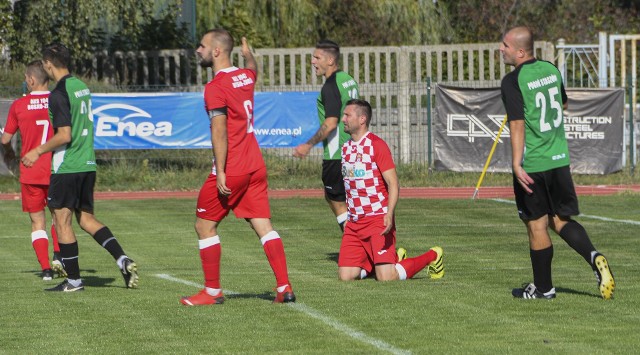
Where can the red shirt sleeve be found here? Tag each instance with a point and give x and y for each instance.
(12, 120)
(383, 157)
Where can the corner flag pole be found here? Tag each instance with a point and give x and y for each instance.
(486, 164)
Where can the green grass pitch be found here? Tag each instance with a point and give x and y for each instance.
(470, 310)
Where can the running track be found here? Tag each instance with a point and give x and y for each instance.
(407, 192)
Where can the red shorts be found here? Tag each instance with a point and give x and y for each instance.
(34, 197)
(363, 246)
(248, 199)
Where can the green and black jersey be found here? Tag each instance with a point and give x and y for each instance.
(339, 88)
(534, 92)
(70, 106)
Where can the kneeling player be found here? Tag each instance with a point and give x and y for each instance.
(372, 189)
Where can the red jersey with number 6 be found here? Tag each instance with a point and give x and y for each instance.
(30, 115)
(231, 91)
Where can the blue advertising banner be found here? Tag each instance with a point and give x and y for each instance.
(179, 121)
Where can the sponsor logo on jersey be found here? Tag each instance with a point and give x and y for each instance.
(353, 170)
(119, 120)
(381, 252)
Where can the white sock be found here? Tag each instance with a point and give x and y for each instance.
(269, 236)
(39, 234)
(207, 242)
(120, 261)
(75, 283)
(402, 273)
(341, 218)
(213, 291)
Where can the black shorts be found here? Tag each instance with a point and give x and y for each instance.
(73, 191)
(332, 180)
(553, 194)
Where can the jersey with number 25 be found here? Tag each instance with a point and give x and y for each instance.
(534, 92)
(231, 91)
(30, 115)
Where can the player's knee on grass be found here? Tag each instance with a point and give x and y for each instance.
(386, 272)
(349, 273)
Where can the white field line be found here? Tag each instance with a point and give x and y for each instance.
(300, 307)
(607, 219)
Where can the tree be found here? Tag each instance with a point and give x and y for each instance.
(577, 21)
(301, 23)
(91, 25)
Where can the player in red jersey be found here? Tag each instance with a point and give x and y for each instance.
(30, 116)
(238, 180)
(371, 185)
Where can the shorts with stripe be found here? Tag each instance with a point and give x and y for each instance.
(553, 194)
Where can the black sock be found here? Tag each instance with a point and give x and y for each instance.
(541, 264)
(574, 234)
(69, 254)
(108, 241)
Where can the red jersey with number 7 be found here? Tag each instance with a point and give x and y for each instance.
(30, 115)
(231, 92)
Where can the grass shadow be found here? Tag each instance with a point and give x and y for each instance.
(576, 292)
(96, 281)
(332, 257)
(264, 295)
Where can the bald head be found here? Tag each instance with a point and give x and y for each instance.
(517, 46)
(522, 38)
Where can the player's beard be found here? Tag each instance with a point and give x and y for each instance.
(206, 63)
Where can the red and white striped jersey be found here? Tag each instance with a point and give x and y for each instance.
(363, 163)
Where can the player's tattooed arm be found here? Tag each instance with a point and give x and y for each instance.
(328, 126)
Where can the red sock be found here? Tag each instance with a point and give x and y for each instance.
(54, 237)
(210, 252)
(274, 249)
(413, 265)
(40, 243)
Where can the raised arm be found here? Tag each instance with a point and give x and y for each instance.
(250, 60)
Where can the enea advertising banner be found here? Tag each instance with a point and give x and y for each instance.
(467, 123)
(179, 120)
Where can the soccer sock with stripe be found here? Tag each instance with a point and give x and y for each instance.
(54, 238)
(574, 234)
(210, 253)
(69, 255)
(274, 249)
(40, 243)
(341, 219)
(107, 240)
(541, 265)
(412, 266)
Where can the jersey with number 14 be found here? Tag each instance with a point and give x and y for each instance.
(30, 115)
(339, 88)
(70, 106)
(231, 91)
(534, 92)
